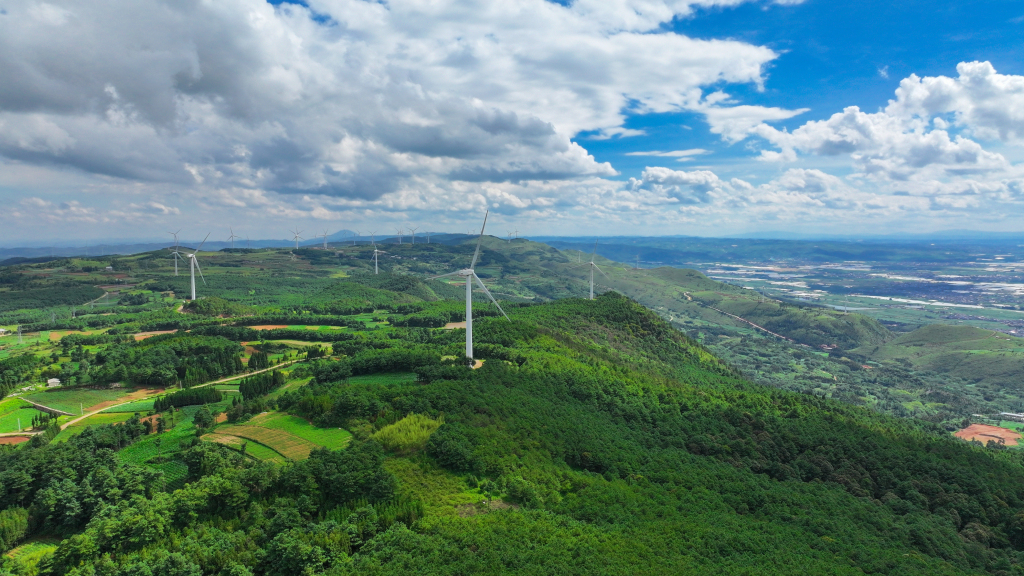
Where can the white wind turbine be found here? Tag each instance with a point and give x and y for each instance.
(356, 235)
(232, 237)
(593, 265)
(469, 274)
(412, 231)
(176, 255)
(296, 232)
(509, 236)
(375, 252)
(325, 239)
(399, 231)
(193, 265)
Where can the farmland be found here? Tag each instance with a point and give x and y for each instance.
(290, 436)
(73, 400)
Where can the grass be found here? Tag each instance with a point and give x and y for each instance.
(385, 378)
(145, 448)
(408, 434)
(74, 399)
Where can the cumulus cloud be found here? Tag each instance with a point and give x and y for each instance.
(349, 98)
(924, 133)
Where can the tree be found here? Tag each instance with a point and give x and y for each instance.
(203, 418)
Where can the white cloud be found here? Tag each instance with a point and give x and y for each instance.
(679, 155)
(242, 94)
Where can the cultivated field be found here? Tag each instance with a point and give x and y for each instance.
(11, 409)
(290, 436)
(72, 400)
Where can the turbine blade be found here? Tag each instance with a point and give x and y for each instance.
(200, 270)
(488, 292)
(601, 271)
(204, 242)
(478, 241)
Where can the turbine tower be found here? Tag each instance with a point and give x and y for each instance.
(412, 231)
(375, 252)
(593, 265)
(232, 237)
(469, 274)
(399, 231)
(296, 232)
(176, 255)
(193, 265)
(354, 236)
(325, 239)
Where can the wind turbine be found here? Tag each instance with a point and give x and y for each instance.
(413, 231)
(469, 274)
(375, 252)
(428, 237)
(296, 232)
(193, 264)
(246, 241)
(593, 265)
(399, 230)
(232, 237)
(509, 237)
(325, 239)
(356, 235)
(176, 255)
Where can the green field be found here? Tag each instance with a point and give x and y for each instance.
(140, 406)
(11, 409)
(332, 438)
(72, 400)
(103, 418)
(170, 441)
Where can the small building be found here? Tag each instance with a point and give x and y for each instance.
(53, 383)
(3, 331)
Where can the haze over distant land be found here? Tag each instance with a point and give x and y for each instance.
(760, 118)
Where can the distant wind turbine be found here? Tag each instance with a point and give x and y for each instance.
(176, 255)
(325, 239)
(354, 236)
(296, 232)
(412, 231)
(193, 265)
(593, 265)
(399, 231)
(469, 274)
(232, 237)
(375, 252)
(428, 237)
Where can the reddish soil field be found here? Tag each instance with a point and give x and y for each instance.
(453, 325)
(13, 439)
(144, 335)
(983, 433)
(269, 327)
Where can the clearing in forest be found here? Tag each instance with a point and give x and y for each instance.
(73, 400)
(983, 433)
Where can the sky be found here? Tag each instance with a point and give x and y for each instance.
(128, 119)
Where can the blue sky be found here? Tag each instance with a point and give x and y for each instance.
(833, 55)
(127, 118)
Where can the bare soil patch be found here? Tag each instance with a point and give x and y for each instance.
(454, 325)
(8, 440)
(144, 335)
(222, 417)
(983, 433)
(269, 327)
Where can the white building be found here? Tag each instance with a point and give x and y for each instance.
(53, 383)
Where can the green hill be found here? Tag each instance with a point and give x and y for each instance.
(594, 439)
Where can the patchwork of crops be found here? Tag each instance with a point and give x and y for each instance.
(252, 448)
(332, 438)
